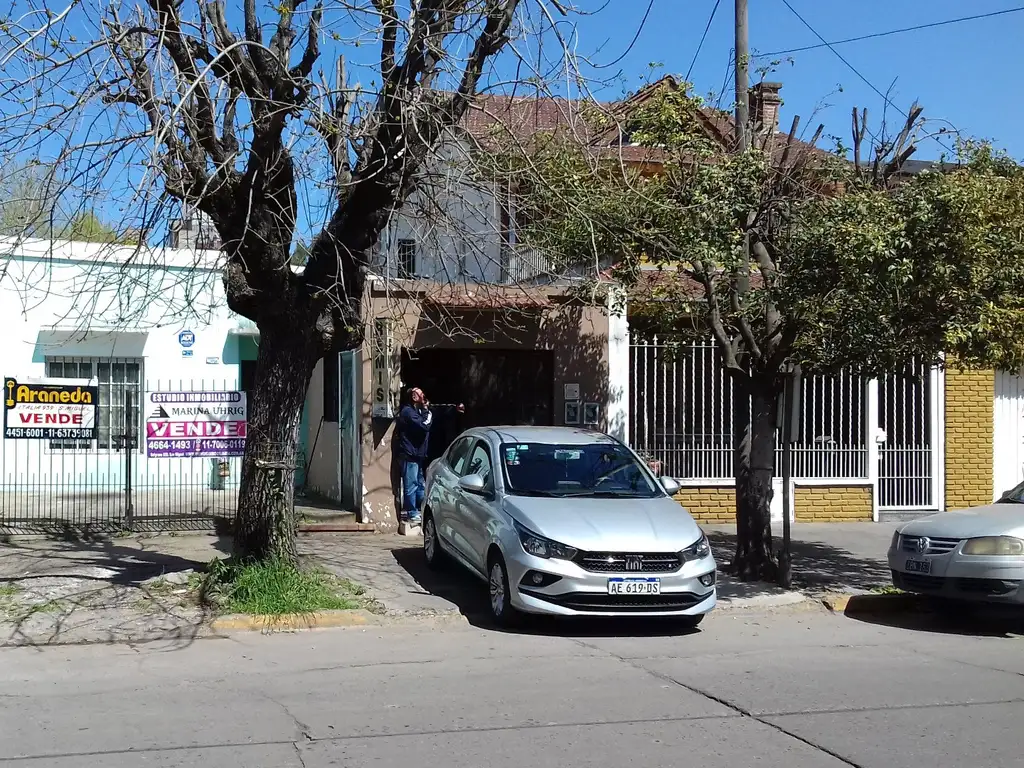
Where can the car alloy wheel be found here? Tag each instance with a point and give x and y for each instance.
(501, 601)
(431, 546)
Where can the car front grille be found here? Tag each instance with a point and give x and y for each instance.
(932, 546)
(599, 602)
(916, 582)
(629, 562)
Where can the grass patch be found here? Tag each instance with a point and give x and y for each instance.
(275, 587)
(887, 589)
(8, 590)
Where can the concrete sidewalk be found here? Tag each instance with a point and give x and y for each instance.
(827, 557)
(135, 589)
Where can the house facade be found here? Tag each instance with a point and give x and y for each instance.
(136, 325)
(455, 306)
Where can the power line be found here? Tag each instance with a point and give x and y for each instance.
(896, 31)
(852, 68)
(702, 39)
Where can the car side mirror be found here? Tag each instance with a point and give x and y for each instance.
(670, 485)
(473, 484)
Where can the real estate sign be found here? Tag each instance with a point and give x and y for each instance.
(195, 424)
(49, 409)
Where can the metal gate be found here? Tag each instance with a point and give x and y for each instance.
(110, 484)
(907, 453)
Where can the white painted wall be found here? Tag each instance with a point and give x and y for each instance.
(89, 300)
(617, 406)
(322, 441)
(1008, 435)
(455, 220)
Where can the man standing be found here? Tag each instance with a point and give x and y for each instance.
(412, 439)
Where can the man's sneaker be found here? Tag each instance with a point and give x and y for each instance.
(414, 519)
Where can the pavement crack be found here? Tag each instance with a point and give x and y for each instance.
(742, 711)
(304, 730)
(298, 754)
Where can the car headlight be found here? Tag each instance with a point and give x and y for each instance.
(895, 543)
(1000, 546)
(700, 549)
(538, 546)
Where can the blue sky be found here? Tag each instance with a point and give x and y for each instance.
(965, 73)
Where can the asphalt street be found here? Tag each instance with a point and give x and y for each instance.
(794, 688)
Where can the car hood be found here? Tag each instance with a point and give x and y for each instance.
(990, 520)
(608, 525)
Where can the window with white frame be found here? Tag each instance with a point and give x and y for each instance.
(406, 258)
(120, 388)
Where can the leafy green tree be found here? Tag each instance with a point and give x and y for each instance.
(847, 265)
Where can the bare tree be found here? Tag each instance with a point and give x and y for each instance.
(170, 96)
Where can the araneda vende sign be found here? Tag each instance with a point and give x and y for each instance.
(49, 409)
(195, 424)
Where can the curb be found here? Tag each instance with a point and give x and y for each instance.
(863, 604)
(761, 601)
(289, 622)
(336, 528)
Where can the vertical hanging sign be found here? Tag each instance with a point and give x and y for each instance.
(383, 369)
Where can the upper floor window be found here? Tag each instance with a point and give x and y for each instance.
(406, 258)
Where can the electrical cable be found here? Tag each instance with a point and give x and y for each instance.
(702, 39)
(874, 35)
(853, 69)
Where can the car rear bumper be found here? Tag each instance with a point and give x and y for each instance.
(573, 591)
(962, 577)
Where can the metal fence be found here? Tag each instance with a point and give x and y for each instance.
(906, 459)
(682, 416)
(110, 484)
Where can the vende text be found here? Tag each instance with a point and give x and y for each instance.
(195, 429)
(51, 418)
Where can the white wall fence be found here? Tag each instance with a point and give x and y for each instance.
(107, 483)
(853, 430)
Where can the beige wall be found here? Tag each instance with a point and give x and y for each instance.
(969, 437)
(832, 503)
(576, 335)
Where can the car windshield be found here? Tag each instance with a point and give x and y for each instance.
(599, 470)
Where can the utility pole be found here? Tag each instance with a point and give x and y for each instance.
(742, 78)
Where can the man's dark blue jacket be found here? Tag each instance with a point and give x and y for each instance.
(412, 433)
(412, 430)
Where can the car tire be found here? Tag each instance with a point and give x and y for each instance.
(499, 592)
(690, 622)
(432, 551)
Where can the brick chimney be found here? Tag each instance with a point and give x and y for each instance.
(764, 107)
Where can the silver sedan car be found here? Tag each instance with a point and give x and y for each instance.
(974, 554)
(567, 522)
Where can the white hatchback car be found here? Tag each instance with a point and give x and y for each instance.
(973, 554)
(568, 522)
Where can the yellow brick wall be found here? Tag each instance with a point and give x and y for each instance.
(969, 396)
(832, 503)
(709, 504)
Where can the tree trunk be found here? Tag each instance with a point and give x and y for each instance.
(755, 467)
(265, 518)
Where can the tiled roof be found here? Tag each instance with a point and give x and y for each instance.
(523, 116)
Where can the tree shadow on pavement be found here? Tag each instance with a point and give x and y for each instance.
(114, 590)
(817, 567)
(469, 595)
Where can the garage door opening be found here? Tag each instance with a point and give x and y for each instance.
(497, 386)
